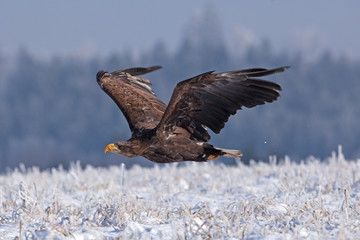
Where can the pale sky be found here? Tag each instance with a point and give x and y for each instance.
(86, 27)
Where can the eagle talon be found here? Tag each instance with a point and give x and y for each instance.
(213, 157)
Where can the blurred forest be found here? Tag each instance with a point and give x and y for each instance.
(53, 112)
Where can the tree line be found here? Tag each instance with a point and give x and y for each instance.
(53, 112)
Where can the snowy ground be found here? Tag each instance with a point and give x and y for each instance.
(284, 200)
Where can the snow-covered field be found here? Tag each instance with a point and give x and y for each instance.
(280, 200)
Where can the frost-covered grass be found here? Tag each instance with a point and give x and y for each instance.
(313, 200)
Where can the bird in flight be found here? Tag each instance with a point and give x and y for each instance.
(178, 131)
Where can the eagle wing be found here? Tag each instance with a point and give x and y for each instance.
(134, 96)
(210, 98)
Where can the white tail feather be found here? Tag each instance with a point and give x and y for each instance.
(231, 153)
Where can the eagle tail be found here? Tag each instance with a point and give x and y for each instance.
(230, 153)
(212, 153)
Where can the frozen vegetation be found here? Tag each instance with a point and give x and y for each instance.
(281, 200)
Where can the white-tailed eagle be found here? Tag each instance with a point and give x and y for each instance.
(178, 132)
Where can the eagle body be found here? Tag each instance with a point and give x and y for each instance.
(178, 131)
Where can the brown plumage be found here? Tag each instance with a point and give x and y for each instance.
(177, 132)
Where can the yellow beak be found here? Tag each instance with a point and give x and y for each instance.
(111, 148)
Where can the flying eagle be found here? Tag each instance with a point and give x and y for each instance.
(178, 132)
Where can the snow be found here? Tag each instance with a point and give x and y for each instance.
(280, 200)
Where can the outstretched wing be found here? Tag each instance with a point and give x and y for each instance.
(133, 95)
(210, 98)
